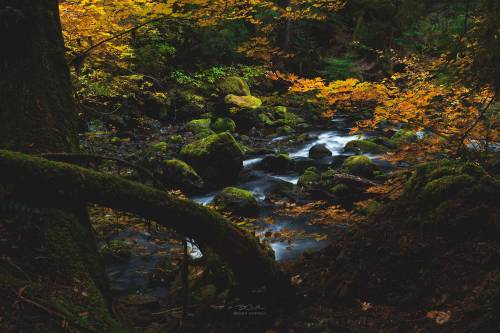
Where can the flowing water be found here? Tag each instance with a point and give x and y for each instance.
(147, 253)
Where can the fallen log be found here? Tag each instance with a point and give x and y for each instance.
(251, 262)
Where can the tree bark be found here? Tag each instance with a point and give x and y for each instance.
(36, 105)
(58, 250)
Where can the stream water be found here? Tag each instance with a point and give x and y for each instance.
(147, 253)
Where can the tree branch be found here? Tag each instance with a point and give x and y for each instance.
(44, 180)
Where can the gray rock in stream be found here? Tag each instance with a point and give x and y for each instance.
(319, 151)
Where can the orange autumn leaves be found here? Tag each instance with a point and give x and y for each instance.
(450, 117)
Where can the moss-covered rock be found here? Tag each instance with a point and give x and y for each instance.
(237, 201)
(309, 178)
(359, 166)
(223, 125)
(403, 136)
(186, 104)
(217, 158)
(233, 85)
(319, 151)
(243, 102)
(156, 105)
(199, 127)
(116, 250)
(178, 174)
(364, 146)
(276, 163)
(161, 146)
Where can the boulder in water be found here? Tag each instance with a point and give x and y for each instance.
(217, 158)
(237, 201)
(319, 151)
(359, 165)
(276, 163)
(177, 174)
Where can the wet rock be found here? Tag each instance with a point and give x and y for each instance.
(309, 178)
(237, 201)
(217, 158)
(302, 163)
(233, 85)
(177, 174)
(282, 191)
(276, 163)
(319, 151)
(359, 166)
(364, 146)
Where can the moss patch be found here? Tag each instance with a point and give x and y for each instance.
(218, 158)
(233, 85)
(244, 102)
(237, 201)
(359, 166)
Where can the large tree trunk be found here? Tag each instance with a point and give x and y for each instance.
(48, 252)
(36, 106)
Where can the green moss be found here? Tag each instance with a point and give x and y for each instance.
(233, 85)
(161, 146)
(223, 125)
(217, 158)
(282, 110)
(364, 146)
(359, 165)
(180, 175)
(340, 190)
(199, 127)
(244, 102)
(176, 139)
(310, 177)
(116, 249)
(403, 136)
(236, 200)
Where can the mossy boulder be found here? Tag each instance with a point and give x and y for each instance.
(217, 158)
(243, 102)
(156, 105)
(116, 250)
(451, 193)
(404, 136)
(233, 85)
(223, 125)
(309, 178)
(319, 151)
(364, 146)
(237, 201)
(276, 163)
(186, 104)
(177, 174)
(359, 166)
(199, 127)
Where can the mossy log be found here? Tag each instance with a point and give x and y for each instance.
(251, 263)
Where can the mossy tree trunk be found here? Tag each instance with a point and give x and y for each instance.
(48, 250)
